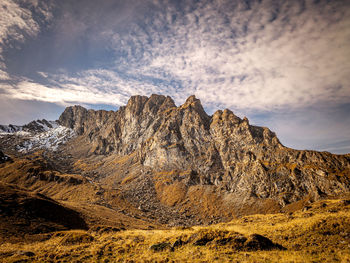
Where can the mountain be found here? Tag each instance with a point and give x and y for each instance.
(39, 134)
(160, 164)
(25, 213)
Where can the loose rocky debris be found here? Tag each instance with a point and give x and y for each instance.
(4, 158)
(213, 238)
(160, 246)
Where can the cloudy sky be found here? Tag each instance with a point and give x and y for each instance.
(283, 64)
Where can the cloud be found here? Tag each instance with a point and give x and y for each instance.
(288, 60)
(12, 20)
(17, 23)
(87, 87)
(68, 94)
(4, 75)
(244, 55)
(245, 59)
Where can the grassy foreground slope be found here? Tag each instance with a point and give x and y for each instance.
(318, 233)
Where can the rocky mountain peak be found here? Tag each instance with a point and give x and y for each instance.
(193, 102)
(37, 126)
(222, 149)
(145, 122)
(140, 105)
(135, 104)
(194, 106)
(158, 103)
(73, 117)
(226, 116)
(182, 158)
(191, 99)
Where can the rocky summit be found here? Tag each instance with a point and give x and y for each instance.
(152, 161)
(221, 150)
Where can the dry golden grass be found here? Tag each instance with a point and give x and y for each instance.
(129, 179)
(170, 190)
(124, 159)
(31, 174)
(320, 234)
(85, 166)
(171, 194)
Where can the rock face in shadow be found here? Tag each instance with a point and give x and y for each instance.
(215, 238)
(222, 150)
(4, 158)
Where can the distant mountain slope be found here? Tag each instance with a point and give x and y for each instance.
(39, 134)
(162, 164)
(221, 150)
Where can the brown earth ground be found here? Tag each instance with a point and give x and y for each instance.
(65, 208)
(320, 232)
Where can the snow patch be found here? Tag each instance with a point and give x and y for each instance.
(50, 139)
(22, 133)
(39, 134)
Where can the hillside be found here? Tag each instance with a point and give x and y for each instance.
(24, 213)
(320, 234)
(168, 165)
(217, 163)
(151, 174)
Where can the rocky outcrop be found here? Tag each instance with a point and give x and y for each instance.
(120, 132)
(222, 150)
(4, 158)
(33, 127)
(38, 126)
(9, 128)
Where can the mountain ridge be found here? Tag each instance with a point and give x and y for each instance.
(222, 149)
(169, 165)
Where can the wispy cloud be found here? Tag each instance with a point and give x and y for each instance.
(17, 23)
(4, 75)
(254, 57)
(244, 55)
(70, 93)
(261, 56)
(87, 87)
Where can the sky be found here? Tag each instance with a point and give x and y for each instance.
(283, 64)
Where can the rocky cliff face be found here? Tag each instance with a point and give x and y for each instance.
(221, 150)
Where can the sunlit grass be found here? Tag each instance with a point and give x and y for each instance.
(321, 234)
